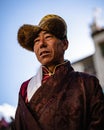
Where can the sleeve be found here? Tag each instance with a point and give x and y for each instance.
(24, 120)
(96, 114)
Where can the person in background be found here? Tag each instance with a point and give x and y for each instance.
(57, 97)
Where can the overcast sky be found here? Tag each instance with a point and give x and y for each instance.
(17, 64)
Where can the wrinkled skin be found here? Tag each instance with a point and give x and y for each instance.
(49, 50)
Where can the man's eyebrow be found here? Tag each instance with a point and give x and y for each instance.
(46, 32)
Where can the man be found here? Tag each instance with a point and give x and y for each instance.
(57, 97)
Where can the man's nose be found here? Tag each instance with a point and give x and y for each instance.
(43, 43)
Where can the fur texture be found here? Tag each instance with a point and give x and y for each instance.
(53, 24)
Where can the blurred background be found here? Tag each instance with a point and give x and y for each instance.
(85, 21)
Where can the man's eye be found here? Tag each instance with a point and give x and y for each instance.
(48, 36)
(36, 41)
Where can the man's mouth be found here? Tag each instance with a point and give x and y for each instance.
(44, 53)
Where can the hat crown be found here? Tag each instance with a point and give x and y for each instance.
(54, 24)
(51, 16)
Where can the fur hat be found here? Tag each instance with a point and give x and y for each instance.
(51, 23)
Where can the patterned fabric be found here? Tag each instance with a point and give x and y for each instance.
(46, 74)
(68, 100)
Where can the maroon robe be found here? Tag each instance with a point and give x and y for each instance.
(68, 100)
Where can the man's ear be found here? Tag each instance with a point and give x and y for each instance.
(65, 44)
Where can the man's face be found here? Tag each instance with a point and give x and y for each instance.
(49, 50)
